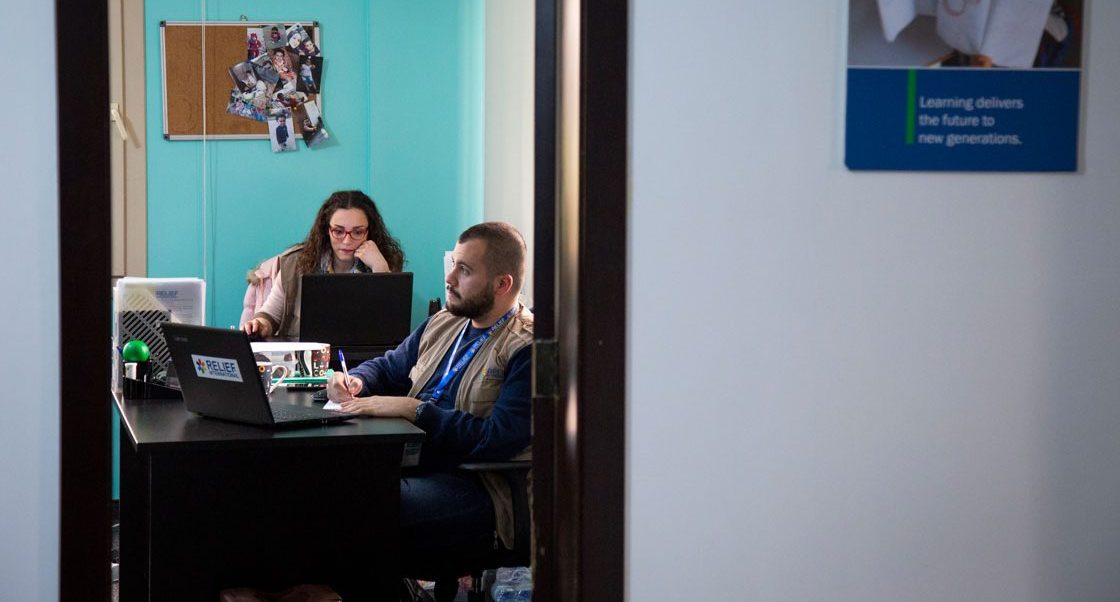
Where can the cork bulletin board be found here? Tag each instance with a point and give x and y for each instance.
(184, 74)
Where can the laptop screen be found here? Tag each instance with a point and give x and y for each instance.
(217, 373)
(356, 309)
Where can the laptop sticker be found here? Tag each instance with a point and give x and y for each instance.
(217, 368)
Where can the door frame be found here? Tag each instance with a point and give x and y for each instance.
(580, 438)
(128, 163)
(84, 255)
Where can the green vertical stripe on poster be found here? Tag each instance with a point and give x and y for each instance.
(911, 103)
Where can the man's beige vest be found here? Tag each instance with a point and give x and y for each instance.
(479, 387)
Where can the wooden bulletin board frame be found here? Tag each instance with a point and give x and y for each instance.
(186, 76)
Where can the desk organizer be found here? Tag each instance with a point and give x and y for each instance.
(138, 389)
(140, 305)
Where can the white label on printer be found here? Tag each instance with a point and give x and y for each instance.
(217, 368)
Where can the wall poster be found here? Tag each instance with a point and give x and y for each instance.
(964, 85)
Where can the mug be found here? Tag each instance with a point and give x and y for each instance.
(310, 362)
(269, 378)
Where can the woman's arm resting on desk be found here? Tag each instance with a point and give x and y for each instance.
(258, 325)
(265, 322)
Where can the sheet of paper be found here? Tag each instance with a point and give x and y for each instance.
(331, 405)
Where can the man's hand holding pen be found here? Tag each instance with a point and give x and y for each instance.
(343, 387)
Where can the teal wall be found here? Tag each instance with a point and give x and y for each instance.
(403, 105)
(404, 108)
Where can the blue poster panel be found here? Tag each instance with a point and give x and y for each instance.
(963, 85)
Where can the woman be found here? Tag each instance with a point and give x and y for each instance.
(348, 236)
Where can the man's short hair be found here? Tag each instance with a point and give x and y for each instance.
(505, 249)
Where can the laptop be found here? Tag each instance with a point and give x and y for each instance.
(218, 377)
(356, 309)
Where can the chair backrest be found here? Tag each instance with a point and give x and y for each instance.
(518, 479)
(516, 474)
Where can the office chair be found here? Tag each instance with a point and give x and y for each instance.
(516, 473)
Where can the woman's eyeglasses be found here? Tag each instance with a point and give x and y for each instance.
(338, 232)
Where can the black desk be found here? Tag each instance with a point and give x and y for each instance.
(207, 504)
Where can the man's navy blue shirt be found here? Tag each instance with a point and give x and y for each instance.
(455, 436)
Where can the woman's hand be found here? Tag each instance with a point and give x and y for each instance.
(258, 326)
(384, 407)
(341, 387)
(369, 254)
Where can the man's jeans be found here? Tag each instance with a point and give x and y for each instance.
(447, 519)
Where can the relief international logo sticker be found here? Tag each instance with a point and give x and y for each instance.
(217, 368)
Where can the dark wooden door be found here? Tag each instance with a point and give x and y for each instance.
(580, 290)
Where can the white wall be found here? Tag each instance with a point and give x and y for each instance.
(29, 455)
(859, 386)
(508, 166)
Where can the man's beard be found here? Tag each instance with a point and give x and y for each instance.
(474, 307)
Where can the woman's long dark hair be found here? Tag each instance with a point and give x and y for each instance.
(318, 239)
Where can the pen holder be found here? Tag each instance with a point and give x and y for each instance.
(136, 389)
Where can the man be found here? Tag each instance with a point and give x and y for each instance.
(464, 377)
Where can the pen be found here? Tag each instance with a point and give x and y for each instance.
(345, 372)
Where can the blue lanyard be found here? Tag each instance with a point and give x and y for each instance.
(451, 371)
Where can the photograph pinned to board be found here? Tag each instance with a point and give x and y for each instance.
(283, 63)
(244, 77)
(254, 42)
(280, 131)
(275, 36)
(300, 41)
(310, 68)
(263, 68)
(253, 104)
(288, 98)
(314, 133)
